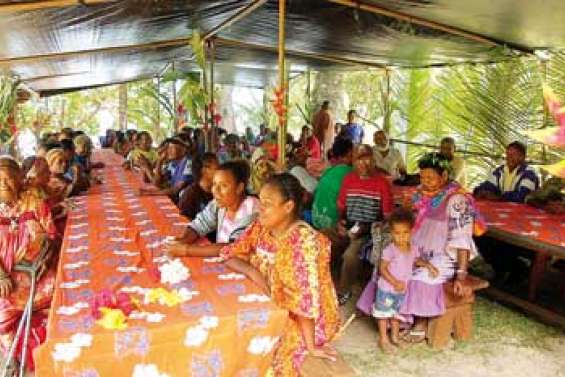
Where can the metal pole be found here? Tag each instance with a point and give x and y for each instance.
(282, 82)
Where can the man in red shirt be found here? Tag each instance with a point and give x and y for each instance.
(365, 198)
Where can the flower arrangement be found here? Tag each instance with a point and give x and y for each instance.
(173, 272)
(552, 136)
(279, 105)
(111, 310)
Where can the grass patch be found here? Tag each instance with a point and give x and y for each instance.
(495, 326)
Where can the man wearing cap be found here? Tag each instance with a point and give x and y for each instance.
(178, 172)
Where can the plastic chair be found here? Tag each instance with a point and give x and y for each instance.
(33, 269)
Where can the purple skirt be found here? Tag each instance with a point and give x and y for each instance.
(367, 298)
(423, 300)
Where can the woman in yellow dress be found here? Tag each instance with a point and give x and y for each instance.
(290, 261)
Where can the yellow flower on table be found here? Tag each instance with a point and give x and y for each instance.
(112, 319)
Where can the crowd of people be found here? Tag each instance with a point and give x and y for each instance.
(301, 231)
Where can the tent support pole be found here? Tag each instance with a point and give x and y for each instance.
(282, 82)
(386, 119)
(212, 99)
(233, 19)
(175, 100)
(309, 89)
(158, 118)
(37, 5)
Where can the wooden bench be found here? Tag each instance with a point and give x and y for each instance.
(458, 318)
(314, 367)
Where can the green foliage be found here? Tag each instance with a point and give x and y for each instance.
(80, 110)
(8, 99)
(150, 109)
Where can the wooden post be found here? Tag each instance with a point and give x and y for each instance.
(175, 100)
(309, 88)
(123, 106)
(62, 119)
(543, 65)
(158, 125)
(282, 83)
(214, 128)
(387, 107)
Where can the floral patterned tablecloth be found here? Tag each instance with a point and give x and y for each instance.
(113, 239)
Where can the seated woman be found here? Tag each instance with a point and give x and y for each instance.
(197, 196)
(229, 214)
(60, 187)
(24, 225)
(83, 152)
(36, 184)
(446, 221)
(144, 154)
(290, 261)
(122, 145)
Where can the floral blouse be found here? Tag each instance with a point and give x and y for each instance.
(297, 267)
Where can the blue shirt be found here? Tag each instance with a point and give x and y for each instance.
(180, 171)
(354, 132)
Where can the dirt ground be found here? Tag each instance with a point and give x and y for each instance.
(505, 344)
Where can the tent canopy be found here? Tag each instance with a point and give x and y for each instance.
(61, 45)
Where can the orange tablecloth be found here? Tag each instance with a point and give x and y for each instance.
(110, 240)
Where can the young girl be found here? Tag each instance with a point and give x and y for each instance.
(395, 269)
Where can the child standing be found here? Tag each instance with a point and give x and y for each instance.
(395, 269)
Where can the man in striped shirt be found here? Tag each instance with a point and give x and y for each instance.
(365, 198)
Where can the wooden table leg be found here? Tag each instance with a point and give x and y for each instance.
(536, 273)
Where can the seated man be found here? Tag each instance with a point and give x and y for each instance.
(458, 173)
(365, 198)
(387, 158)
(178, 173)
(512, 181)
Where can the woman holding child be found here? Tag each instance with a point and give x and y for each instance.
(446, 220)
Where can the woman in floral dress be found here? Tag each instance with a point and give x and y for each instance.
(289, 260)
(25, 224)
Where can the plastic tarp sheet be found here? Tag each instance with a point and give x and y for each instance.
(72, 47)
(532, 24)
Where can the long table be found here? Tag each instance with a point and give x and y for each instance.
(112, 240)
(530, 228)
